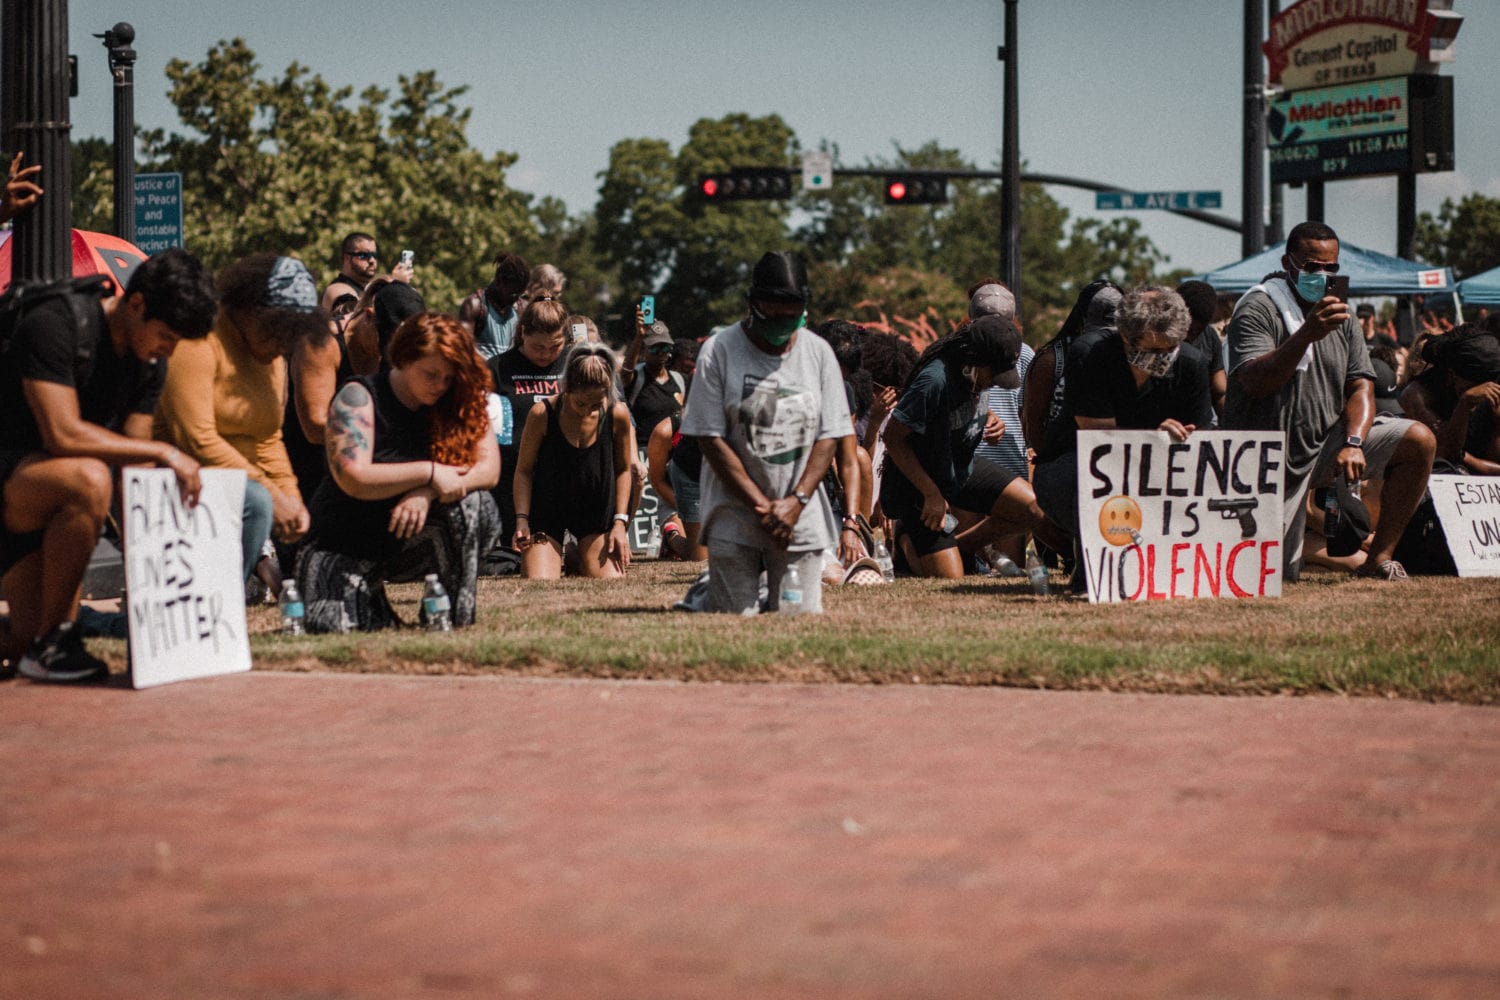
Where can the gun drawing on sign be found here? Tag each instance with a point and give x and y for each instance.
(1244, 510)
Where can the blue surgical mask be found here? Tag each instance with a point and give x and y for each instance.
(1311, 285)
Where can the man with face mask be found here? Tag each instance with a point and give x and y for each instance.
(767, 408)
(1298, 363)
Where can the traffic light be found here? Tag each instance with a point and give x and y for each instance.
(915, 189)
(747, 184)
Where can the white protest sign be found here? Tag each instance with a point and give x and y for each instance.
(1162, 519)
(1469, 509)
(183, 577)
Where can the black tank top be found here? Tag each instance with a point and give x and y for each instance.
(361, 528)
(573, 488)
(310, 461)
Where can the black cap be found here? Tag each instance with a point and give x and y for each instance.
(995, 342)
(1352, 526)
(779, 276)
(394, 303)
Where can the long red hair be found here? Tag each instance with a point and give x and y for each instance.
(458, 421)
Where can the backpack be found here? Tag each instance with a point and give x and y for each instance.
(81, 294)
(639, 382)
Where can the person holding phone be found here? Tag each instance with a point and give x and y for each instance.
(1298, 362)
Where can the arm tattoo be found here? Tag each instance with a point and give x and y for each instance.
(350, 427)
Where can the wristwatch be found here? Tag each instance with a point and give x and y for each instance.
(802, 498)
(1354, 441)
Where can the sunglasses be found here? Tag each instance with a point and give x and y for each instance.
(363, 255)
(1313, 266)
(659, 349)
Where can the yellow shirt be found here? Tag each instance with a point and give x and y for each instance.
(224, 408)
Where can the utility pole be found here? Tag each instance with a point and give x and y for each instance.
(1253, 177)
(1277, 231)
(1010, 166)
(34, 92)
(122, 68)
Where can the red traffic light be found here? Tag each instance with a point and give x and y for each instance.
(895, 191)
(916, 189)
(710, 186)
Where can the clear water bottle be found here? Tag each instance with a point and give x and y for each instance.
(884, 561)
(292, 611)
(435, 605)
(950, 524)
(1331, 511)
(1036, 572)
(791, 592)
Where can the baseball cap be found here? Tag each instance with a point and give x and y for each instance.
(1352, 526)
(657, 333)
(994, 341)
(992, 300)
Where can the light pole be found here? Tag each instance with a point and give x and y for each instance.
(1253, 177)
(34, 91)
(122, 68)
(1010, 166)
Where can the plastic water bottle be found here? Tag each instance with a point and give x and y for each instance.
(435, 605)
(950, 524)
(1331, 511)
(1036, 572)
(292, 611)
(884, 561)
(791, 592)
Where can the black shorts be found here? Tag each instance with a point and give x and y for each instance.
(13, 547)
(978, 495)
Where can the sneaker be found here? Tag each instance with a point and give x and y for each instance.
(59, 658)
(1390, 571)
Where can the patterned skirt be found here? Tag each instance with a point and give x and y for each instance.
(343, 593)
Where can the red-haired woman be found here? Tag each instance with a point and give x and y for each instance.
(411, 460)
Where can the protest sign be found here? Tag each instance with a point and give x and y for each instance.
(1161, 519)
(645, 525)
(1469, 509)
(184, 584)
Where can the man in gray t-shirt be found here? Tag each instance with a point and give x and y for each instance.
(1298, 363)
(767, 408)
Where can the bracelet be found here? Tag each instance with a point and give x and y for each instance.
(171, 456)
(522, 517)
(623, 518)
(433, 474)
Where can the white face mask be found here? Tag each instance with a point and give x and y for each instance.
(1153, 363)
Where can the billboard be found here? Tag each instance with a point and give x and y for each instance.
(1359, 129)
(1318, 43)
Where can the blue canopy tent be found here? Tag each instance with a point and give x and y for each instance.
(1481, 290)
(1370, 273)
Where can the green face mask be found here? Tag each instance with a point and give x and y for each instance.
(776, 332)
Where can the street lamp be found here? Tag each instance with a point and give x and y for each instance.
(122, 69)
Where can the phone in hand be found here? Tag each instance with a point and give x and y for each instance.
(1338, 287)
(407, 256)
(580, 333)
(648, 309)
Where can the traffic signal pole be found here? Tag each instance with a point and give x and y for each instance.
(1010, 166)
(34, 91)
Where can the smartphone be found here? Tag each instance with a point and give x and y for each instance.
(648, 309)
(1338, 287)
(580, 333)
(407, 256)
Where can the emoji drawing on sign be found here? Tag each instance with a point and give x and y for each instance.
(1120, 521)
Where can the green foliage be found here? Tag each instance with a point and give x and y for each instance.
(290, 164)
(94, 185)
(1465, 237)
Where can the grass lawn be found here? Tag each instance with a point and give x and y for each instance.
(1436, 639)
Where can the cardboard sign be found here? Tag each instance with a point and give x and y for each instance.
(1161, 519)
(1469, 509)
(183, 577)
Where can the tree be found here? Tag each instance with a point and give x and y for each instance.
(289, 164)
(1465, 237)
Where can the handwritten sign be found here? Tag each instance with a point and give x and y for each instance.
(183, 577)
(1469, 509)
(1162, 519)
(645, 525)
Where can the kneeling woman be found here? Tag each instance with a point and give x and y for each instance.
(573, 474)
(411, 458)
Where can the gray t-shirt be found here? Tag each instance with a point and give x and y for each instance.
(770, 409)
(1310, 406)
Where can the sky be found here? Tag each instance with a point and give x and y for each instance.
(1145, 95)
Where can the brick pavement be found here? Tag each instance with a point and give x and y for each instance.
(316, 836)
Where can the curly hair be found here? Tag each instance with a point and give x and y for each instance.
(243, 295)
(458, 421)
